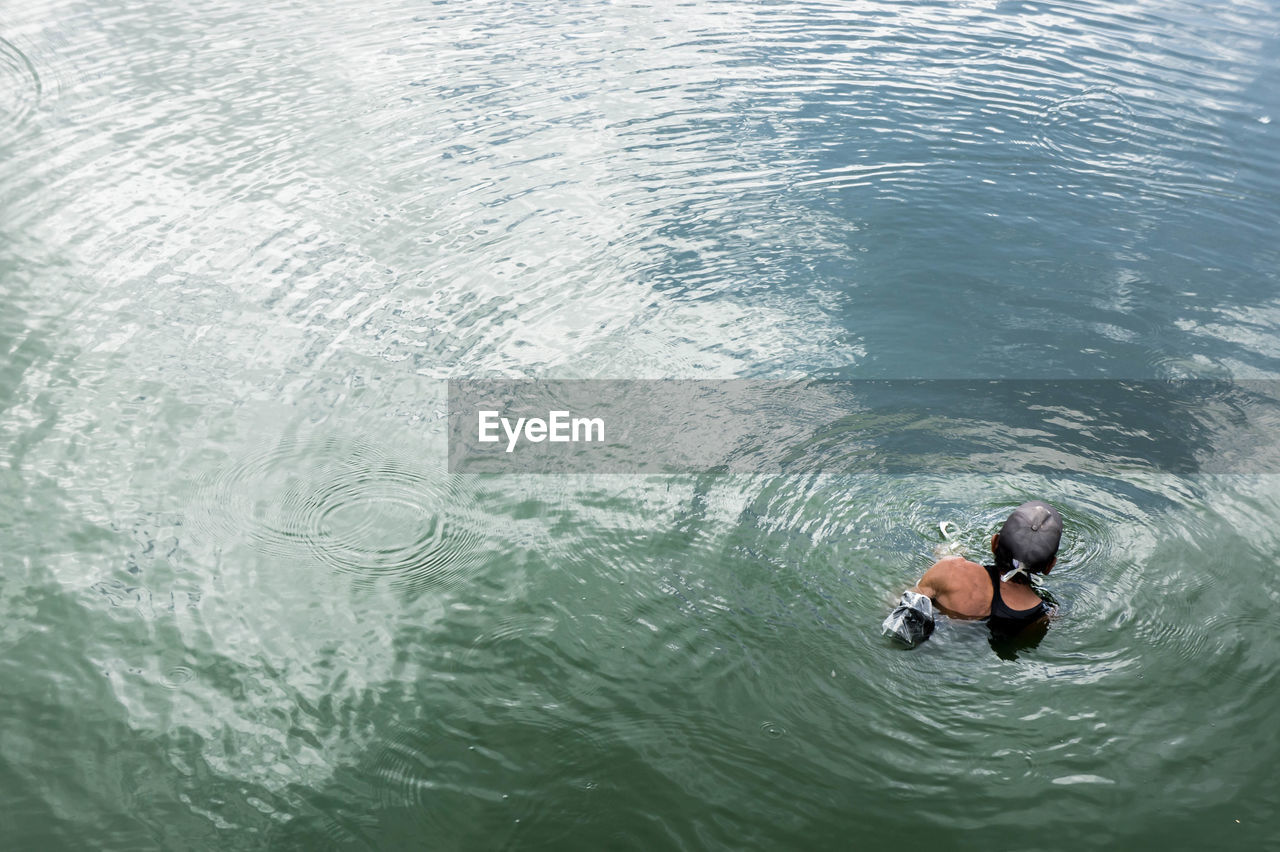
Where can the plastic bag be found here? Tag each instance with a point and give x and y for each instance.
(911, 621)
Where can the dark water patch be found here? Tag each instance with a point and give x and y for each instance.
(532, 778)
(525, 645)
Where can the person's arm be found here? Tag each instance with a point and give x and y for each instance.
(912, 619)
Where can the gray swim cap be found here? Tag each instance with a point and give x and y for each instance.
(1029, 538)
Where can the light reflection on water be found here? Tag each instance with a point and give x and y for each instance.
(241, 246)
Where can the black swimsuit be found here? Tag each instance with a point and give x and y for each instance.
(1011, 620)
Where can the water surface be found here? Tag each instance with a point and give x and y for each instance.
(243, 245)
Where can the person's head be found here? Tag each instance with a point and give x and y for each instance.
(1029, 539)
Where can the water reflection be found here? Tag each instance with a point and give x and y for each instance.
(245, 243)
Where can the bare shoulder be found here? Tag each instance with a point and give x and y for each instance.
(950, 573)
(955, 567)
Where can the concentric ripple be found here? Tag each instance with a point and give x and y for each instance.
(19, 86)
(773, 730)
(1090, 127)
(176, 676)
(349, 506)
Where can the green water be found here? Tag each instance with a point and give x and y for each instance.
(243, 246)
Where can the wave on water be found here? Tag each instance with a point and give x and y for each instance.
(19, 87)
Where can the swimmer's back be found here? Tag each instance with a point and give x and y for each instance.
(963, 589)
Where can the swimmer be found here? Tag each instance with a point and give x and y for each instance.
(1001, 593)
